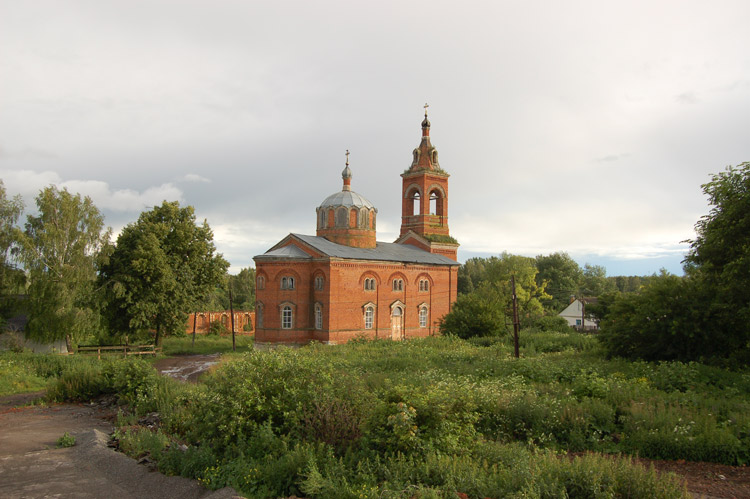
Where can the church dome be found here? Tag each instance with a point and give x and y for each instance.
(346, 198)
(346, 217)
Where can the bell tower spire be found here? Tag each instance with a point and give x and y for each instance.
(424, 208)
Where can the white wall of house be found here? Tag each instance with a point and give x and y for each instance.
(572, 314)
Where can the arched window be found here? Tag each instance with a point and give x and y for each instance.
(261, 282)
(286, 317)
(369, 315)
(318, 316)
(363, 218)
(259, 315)
(369, 284)
(434, 201)
(424, 285)
(287, 282)
(416, 203)
(319, 281)
(423, 316)
(342, 217)
(398, 285)
(322, 219)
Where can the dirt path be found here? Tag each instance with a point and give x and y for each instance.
(31, 466)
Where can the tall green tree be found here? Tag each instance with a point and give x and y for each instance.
(243, 289)
(12, 279)
(563, 276)
(595, 282)
(719, 256)
(59, 250)
(496, 285)
(161, 269)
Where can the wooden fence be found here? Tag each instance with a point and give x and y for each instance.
(118, 350)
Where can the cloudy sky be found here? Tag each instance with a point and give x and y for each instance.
(585, 127)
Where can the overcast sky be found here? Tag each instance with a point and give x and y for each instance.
(585, 127)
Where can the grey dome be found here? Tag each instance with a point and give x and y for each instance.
(346, 198)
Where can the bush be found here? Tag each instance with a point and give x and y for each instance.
(473, 315)
(552, 323)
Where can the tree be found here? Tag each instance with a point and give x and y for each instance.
(663, 322)
(705, 315)
(12, 279)
(473, 315)
(595, 281)
(162, 266)
(243, 289)
(719, 256)
(496, 285)
(59, 250)
(563, 277)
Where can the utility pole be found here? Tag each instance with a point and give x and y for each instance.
(516, 324)
(195, 318)
(231, 317)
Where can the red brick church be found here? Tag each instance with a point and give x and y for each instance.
(342, 283)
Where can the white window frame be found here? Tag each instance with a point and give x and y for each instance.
(369, 316)
(423, 316)
(287, 317)
(318, 316)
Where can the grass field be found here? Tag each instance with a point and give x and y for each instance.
(423, 418)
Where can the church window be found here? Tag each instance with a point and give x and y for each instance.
(369, 315)
(423, 316)
(286, 317)
(369, 284)
(398, 285)
(318, 316)
(287, 282)
(363, 218)
(433, 203)
(415, 201)
(322, 219)
(342, 217)
(319, 282)
(424, 285)
(261, 282)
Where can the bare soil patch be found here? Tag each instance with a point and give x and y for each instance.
(32, 466)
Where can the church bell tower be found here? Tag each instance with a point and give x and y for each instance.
(424, 208)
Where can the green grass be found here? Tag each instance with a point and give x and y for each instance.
(183, 345)
(16, 377)
(425, 418)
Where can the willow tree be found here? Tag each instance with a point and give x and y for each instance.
(59, 248)
(162, 266)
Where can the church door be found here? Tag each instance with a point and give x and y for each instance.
(397, 323)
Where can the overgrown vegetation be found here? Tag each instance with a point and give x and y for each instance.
(705, 315)
(431, 417)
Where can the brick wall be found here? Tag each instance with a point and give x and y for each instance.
(205, 319)
(344, 297)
